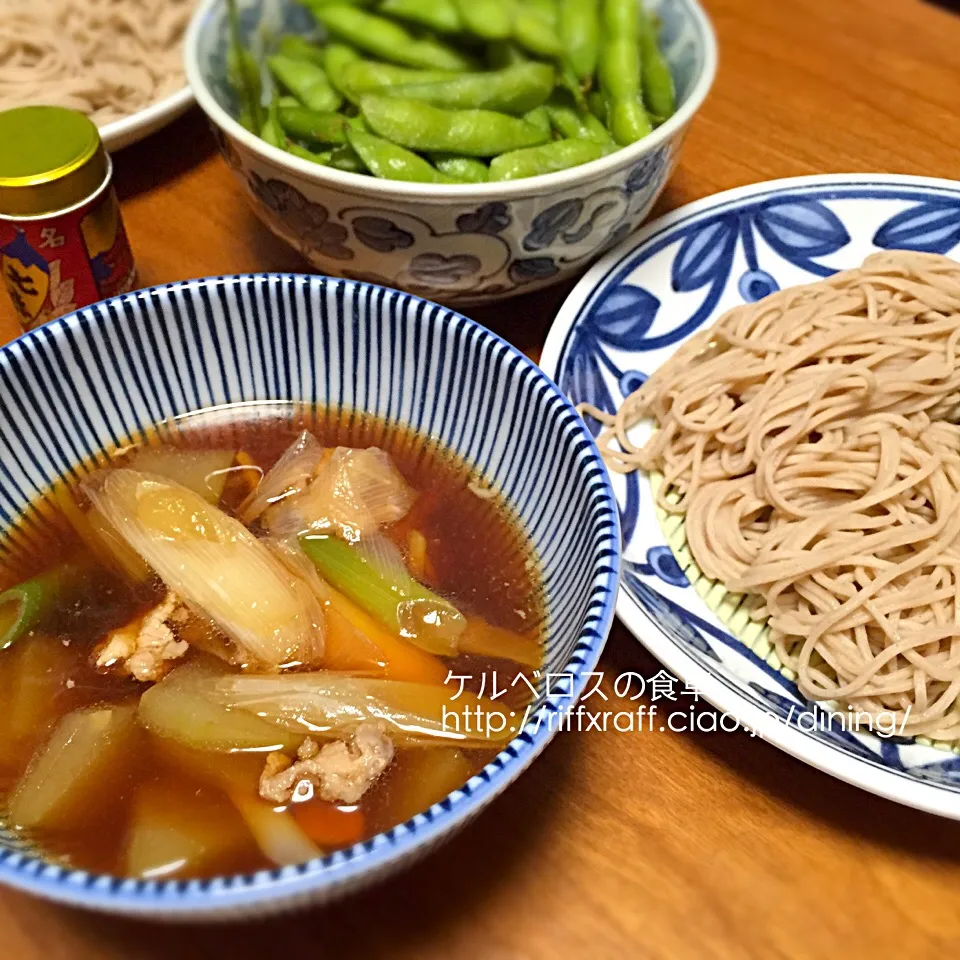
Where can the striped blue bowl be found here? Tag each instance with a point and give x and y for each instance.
(97, 377)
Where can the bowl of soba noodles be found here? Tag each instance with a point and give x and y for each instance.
(118, 61)
(285, 565)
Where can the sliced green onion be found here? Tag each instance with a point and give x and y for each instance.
(399, 602)
(24, 606)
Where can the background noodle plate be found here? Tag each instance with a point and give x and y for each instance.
(97, 378)
(630, 313)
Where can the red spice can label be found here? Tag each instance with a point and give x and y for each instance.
(67, 260)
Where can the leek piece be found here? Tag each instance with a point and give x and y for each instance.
(330, 705)
(278, 835)
(397, 601)
(202, 471)
(177, 708)
(215, 564)
(484, 639)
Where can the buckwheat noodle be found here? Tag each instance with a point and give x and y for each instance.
(809, 439)
(107, 58)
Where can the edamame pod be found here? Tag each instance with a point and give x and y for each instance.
(505, 53)
(511, 90)
(322, 157)
(540, 119)
(367, 76)
(575, 124)
(272, 132)
(306, 81)
(385, 159)
(440, 15)
(243, 74)
(487, 19)
(548, 158)
(658, 90)
(464, 169)
(297, 47)
(473, 133)
(336, 57)
(388, 40)
(535, 30)
(619, 70)
(579, 29)
(304, 124)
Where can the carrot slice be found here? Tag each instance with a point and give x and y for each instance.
(328, 825)
(397, 659)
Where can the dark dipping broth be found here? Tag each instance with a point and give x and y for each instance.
(103, 774)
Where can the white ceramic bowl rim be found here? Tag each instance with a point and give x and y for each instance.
(126, 130)
(362, 185)
(227, 896)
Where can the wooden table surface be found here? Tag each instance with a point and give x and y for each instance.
(652, 845)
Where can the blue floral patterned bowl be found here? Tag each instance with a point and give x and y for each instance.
(93, 378)
(456, 244)
(633, 310)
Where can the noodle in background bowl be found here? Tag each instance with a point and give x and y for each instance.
(118, 61)
(460, 243)
(630, 313)
(91, 379)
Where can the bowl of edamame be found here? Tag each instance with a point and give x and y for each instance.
(464, 150)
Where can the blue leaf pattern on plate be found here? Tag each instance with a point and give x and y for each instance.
(927, 227)
(705, 255)
(801, 229)
(583, 384)
(622, 318)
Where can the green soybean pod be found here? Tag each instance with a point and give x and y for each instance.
(505, 53)
(243, 74)
(388, 40)
(597, 104)
(579, 29)
(347, 159)
(440, 15)
(314, 5)
(368, 76)
(336, 57)
(391, 162)
(540, 119)
(306, 81)
(548, 158)
(322, 157)
(573, 123)
(658, 90)
(535, 28)
(472, 133)
(298, 47)
(464, 169)
(487, 19)
(302, 123)
(516, 89)
(272, 132)
(619, 71)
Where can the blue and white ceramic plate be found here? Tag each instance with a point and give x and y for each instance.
(631, 312)
(92, 379)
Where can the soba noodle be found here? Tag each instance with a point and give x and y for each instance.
(108, 58)
(808, 437)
